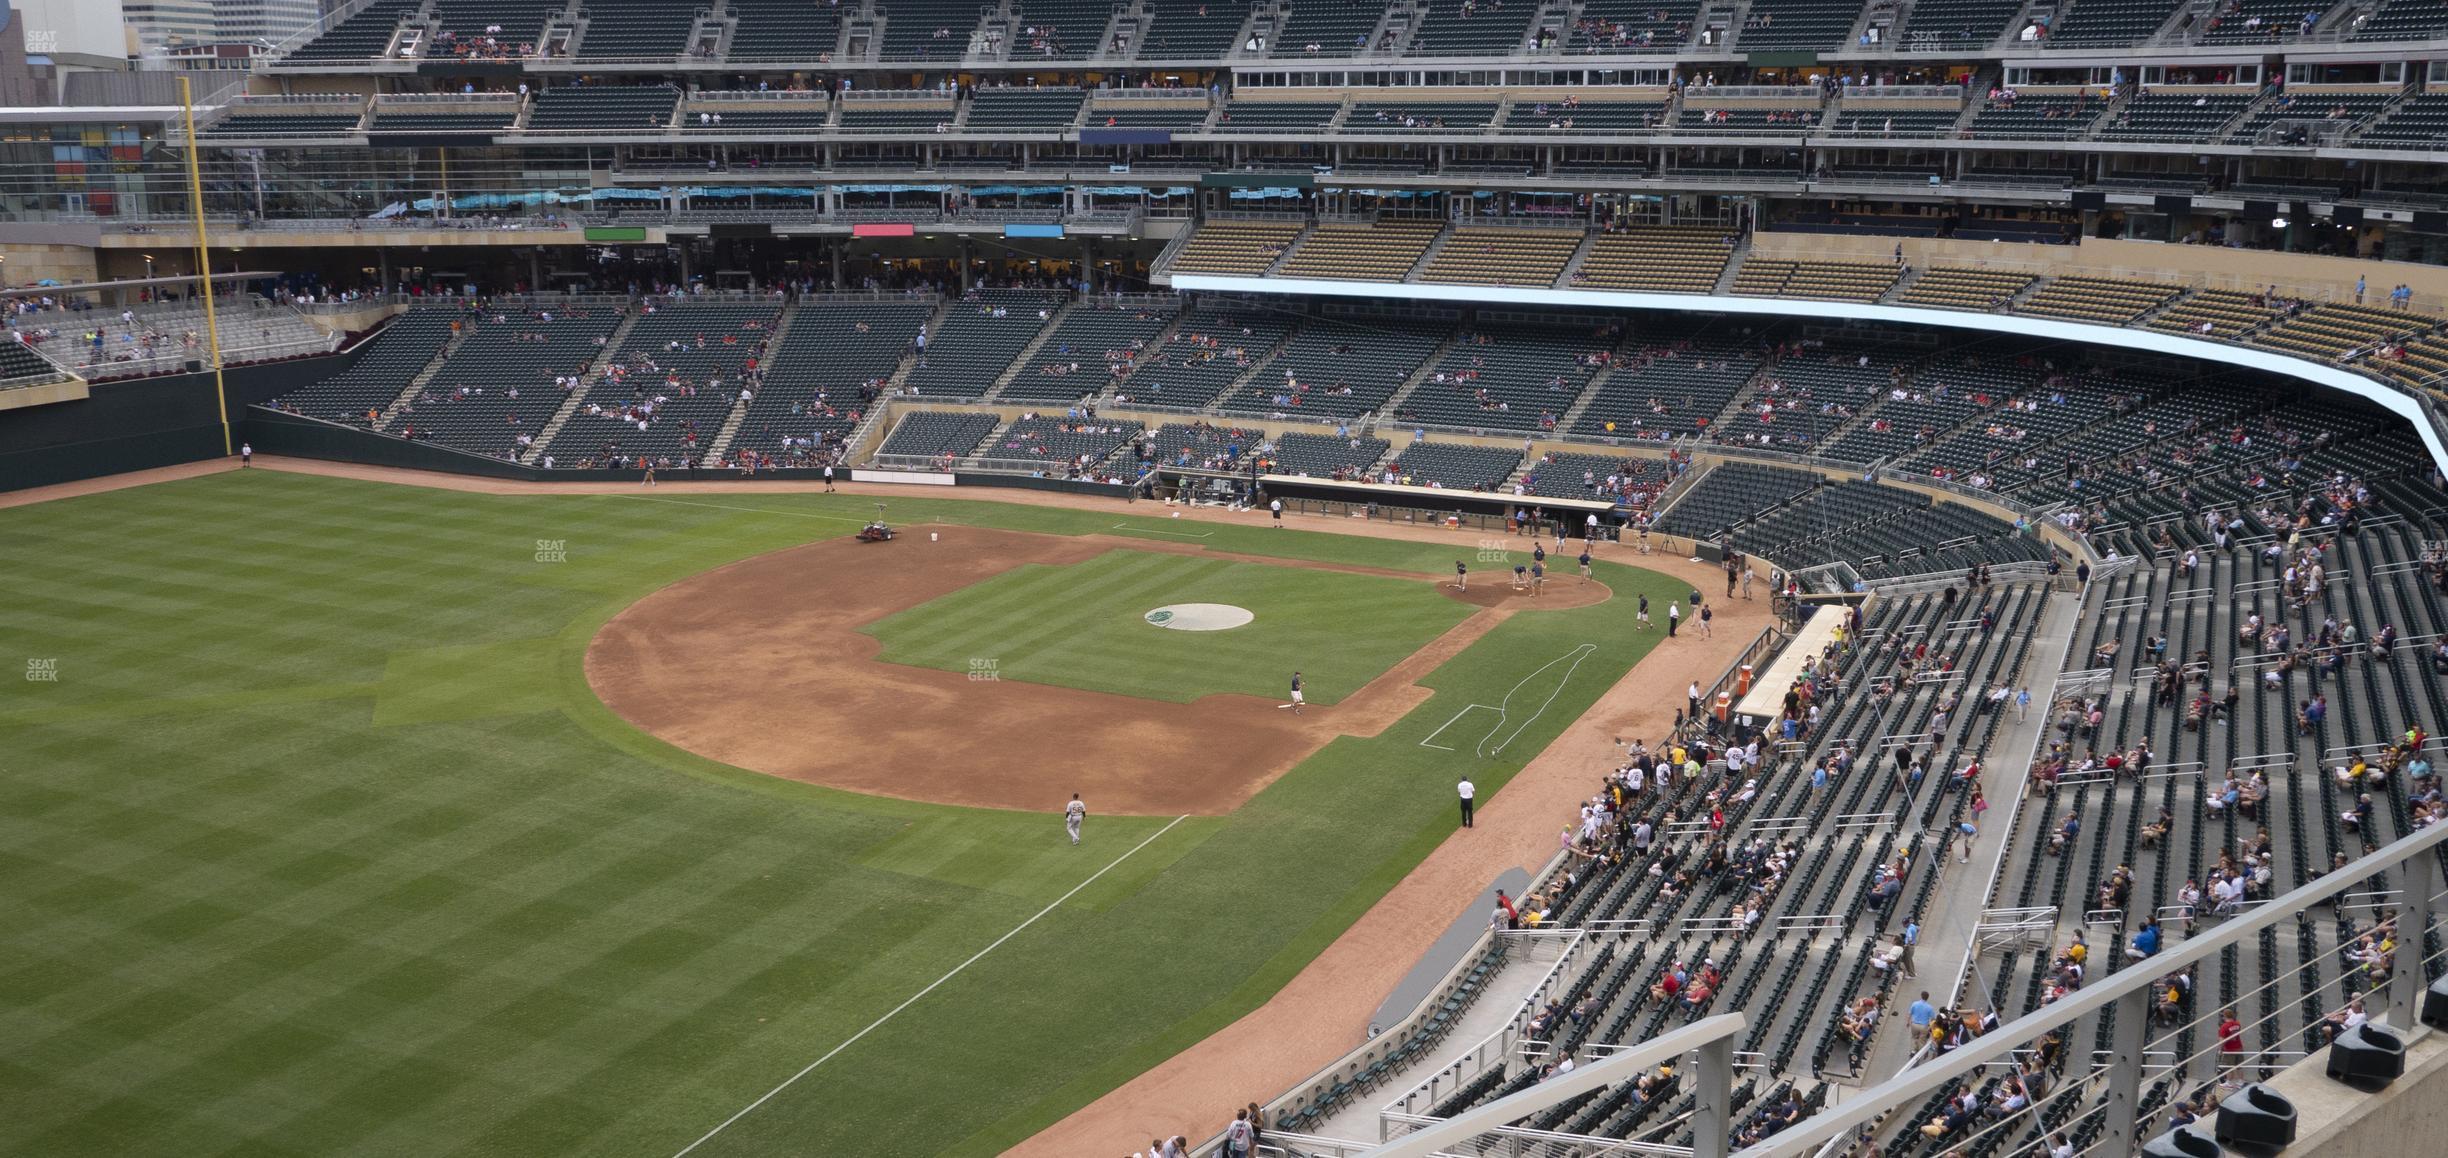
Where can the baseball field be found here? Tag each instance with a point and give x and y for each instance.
(343, 817)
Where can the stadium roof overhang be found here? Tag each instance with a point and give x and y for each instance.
(2389, 398)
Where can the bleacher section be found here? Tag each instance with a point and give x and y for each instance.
(1024, 110)
(497, 386)
(1385, 251)
(2098, 299)
(247, 123)
(778, 30)
(2062, 118)
(934, 434)
(981, 335)
(1663, 390)
(1497, 255)
(1209, 351)
(1473, 28)
(1332, 369)
(1094, 346)
(833, 356)
(1451, 465)
(1820, 280)
(1236, 248)
(1321, 456)
(2105, 23)
(1239, 116)
(1059, 447)
(1798, 25)
(163, 339)
(2227, 313)
(1656, 259)
(1191, 30)
(1964, 289)
(605, 109)
(1419, 116)
(1327, 28)
(2403, 20)
(1519, 378)
(672, 382)
(928, 29)
(2419, 122)
(1632, 26)
(1633, 482)
(2173, 117)
(364, 35)
(636, 29)
(1061, 29)
(1584, 116)
(2330, 332)
(358, 395)
(1958, 24)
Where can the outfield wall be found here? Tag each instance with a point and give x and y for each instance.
(141, 423)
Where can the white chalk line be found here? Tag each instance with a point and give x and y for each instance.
(853, 1039)
(1457, 718)
(1504, 712)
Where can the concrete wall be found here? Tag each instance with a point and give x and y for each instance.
(2337, 1121)
(28, 263)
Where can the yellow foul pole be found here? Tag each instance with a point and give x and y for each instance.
(212, 323)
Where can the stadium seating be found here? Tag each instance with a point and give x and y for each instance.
(2351, 109)
(164, 338)
(1451, 465)
(980, 337)
(1332, 369)
(498, 384)
(2163, 116)
(928, 29)
(363, 35)
(1240, 116)
(604, 109)
(382, 370)
(2418, 122)
(1236, 248)
(1632, 481)
(1664, 390)
(21, 365)
(786, 116)
(1327, 28)
(2098, 299)
(461, 25)
(2057, 118)
(1871, 119)
(635, 28)
(1419, 116)
(780, 30)
(1191, 30)
(1385, 251)
(2104, 23)
(1960, 24)
(1061, 29)
(937, 434)
(830, 356)
(2228, 313)
(2255, 22)
(1203, 445)
(1730, 494)
(1632, 26)
(2402, 20)
(1797, 25)
(1520, 378)
(1473, 28)
(1059, 447)
(1656, 259)
(1024, 110)
(1584, 116)
(1964, 289)
(1209, 351)
(1322, 456)
(1092, 347)
(1181, 116)
(1821, 280)
(2329, 332)
(688, 360)
(1496, 255)
(895, 116)
(247, 123)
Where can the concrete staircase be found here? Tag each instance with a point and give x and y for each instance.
(1912, 273)
(901, 373)
(1572, 265)
(1428, 255)
(720, 445)
(423, 377)
(1733, 269)
(1393, 402)
(586, 383)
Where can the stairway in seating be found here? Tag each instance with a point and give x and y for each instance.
(720, 445)
(900, 375)
(1733, 268)
(1394, 401)
(423, 377)
(586, 382)
(1903, 282)
(1027, 354)
(1435, 246)
(1572, 266)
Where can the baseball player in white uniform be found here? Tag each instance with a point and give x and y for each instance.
(1073, 814)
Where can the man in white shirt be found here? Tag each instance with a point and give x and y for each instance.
(1073, 814)
(1468, 791)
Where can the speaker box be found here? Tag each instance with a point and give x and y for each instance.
(2367, 1055)
(2347, 215)
(2182, 1142)
(2256, 1116)
(2435, 1005)
(2090, 199)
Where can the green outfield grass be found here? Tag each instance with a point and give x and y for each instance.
(320, 844)
(1081, 626)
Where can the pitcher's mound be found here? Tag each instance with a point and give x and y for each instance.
(1199, 616)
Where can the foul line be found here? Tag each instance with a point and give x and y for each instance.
(1457, 718)
(1504, 713)
(811, 1066)
(750, 510)
(1161, 531)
